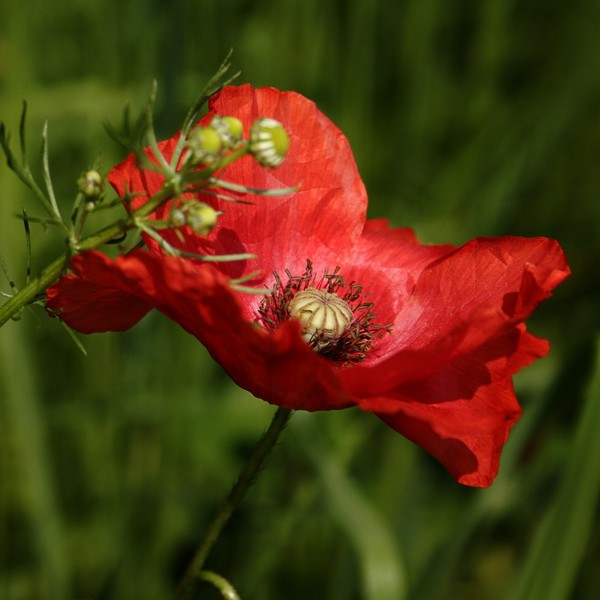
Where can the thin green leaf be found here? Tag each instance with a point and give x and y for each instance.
(248, 277)
(131, 135)
(149, 130)
(28, 244)
(208, 192)
(122, 135)
(214, 84)
(244, 289)
(45, 221)
(234, 187)
(5, 143)
(4, 270)
(21, 168)
(74, 337)
(22, 135)
(46, 172)
(218, 257)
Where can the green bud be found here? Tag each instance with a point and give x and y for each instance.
(269, 142)
(205, 145)
(177, 217)
(91, 184)
(229, 128)
(201, 217)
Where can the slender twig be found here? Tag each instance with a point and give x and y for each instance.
(229, 505)
(226, 589)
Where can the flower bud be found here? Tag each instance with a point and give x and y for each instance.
(177, 217)
(201, 217)
(229, 128)
(205, 145)
(269, 142)
(91, 184)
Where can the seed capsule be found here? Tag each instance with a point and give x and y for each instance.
(324, 317)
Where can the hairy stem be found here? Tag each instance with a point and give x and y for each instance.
(57, 267)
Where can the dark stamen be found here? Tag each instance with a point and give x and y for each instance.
(354, 344)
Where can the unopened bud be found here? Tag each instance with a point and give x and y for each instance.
(229, 128)
(201, 217)
(177, 217)
(91, 184)
(269, 142)
(205, 145)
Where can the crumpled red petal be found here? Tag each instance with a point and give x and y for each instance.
(95, 305)
(463, 413)
(459, 302)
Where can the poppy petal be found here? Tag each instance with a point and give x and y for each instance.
(463, 414)
(90, 307)
(459, 302)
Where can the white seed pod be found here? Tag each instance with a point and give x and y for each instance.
(324, 317)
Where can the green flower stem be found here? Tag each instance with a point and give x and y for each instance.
(233, 500)
(33, 288)
(55, 269)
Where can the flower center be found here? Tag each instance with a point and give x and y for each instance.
(324, 317)
(333, 320)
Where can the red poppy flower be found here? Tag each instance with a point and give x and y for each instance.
(358, 313)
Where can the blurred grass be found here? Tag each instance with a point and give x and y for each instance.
(562, 536)
(466, 118)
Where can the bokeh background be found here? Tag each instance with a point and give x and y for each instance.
(467, 118)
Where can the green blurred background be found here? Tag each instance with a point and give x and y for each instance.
(466, 118)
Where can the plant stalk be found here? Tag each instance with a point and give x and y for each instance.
(57, 267)
(233, 500)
